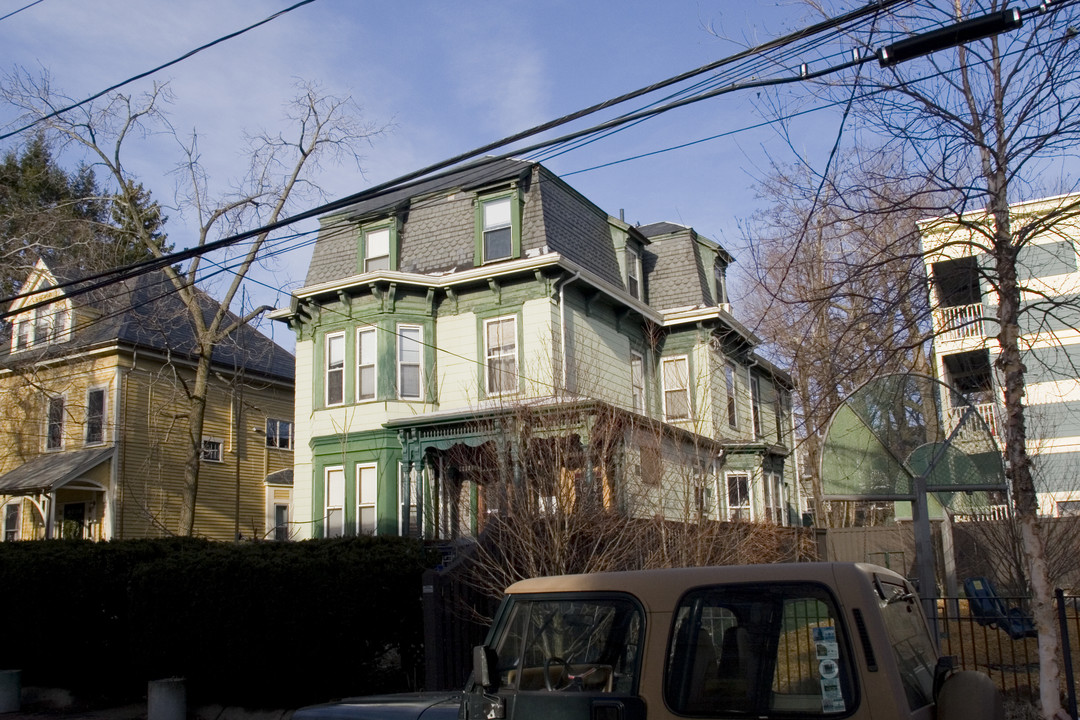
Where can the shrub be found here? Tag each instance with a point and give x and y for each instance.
(259, 624)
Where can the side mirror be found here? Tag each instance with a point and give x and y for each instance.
(484, 660)
(969, 694)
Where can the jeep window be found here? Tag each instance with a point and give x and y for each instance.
(570, 643)
(911, 643)
(771, 650)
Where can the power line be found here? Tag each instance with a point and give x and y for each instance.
(404, 180)
(24, 7)
(140, 76)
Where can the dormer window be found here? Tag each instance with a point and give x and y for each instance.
(720, 273)
(498, 228)
(633, 273)
(378, 246)
(377, 250)
(40, 326)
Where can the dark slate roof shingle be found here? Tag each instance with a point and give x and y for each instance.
(146, 312)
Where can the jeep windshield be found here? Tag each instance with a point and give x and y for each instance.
(574, 642)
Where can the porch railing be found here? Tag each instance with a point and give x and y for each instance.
(959, 322)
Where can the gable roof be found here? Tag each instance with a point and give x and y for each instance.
(146, 312)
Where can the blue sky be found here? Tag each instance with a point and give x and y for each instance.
(447, 76)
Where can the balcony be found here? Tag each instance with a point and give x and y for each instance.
(959, 322)
(988, 411)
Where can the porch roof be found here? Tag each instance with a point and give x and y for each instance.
(51, 471)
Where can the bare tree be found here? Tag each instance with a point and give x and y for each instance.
(839, 291)
(983, 123)
(280, 173)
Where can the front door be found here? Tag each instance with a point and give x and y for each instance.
(74, 525)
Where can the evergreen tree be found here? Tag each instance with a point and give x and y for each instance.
(65, 218)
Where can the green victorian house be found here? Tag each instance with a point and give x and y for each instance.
(492, 326)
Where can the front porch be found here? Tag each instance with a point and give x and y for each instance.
(59, 495)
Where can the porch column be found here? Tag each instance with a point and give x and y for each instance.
(50, 515)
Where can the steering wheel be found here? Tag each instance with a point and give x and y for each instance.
(561, 682)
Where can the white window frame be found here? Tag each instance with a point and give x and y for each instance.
(755, 405)
(280, 529)
(633, 273)
(48, 323)
(367, 338)
(367, 498)
(674, 361)
(370, 259)
(773, 487)
(492, 384)
(13, 531)
(49, 423)
(335, 369)
(486, 228)
(333, 503)
(745, 510)
(103, 419)
(273, 434)
(207, 453)
(731, 385)
(402, 364)
(637, 382)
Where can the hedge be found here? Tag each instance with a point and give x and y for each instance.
(255, 624)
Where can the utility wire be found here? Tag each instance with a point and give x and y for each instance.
(24, 7)
(140, 76)
(405, 180)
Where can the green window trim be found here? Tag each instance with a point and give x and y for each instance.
(379, 232)
(485, 202)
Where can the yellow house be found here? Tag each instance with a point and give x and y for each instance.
(93, 418)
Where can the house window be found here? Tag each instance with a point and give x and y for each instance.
(335, 369)
(54, 436)
(637, 381)
(633, 273)
(500, 353)
(281, 522)
(774, 498)
(279, 434)
(95, 416)
(377, 250)
(755, 404)
(11, 522)
(367, 483)
(49, 323)
(212, 449)
(779, 406)
(497, 233)
(729, 388)
(22, 334)
(410, 380)
(334, 515)
(365, 369)
(738, 491)
(720, 273)
(676, 388)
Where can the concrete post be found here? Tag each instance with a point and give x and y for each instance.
(10, 690)
(166, 699)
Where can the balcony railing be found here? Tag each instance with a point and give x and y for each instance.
(988, 411)
(960, 321)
